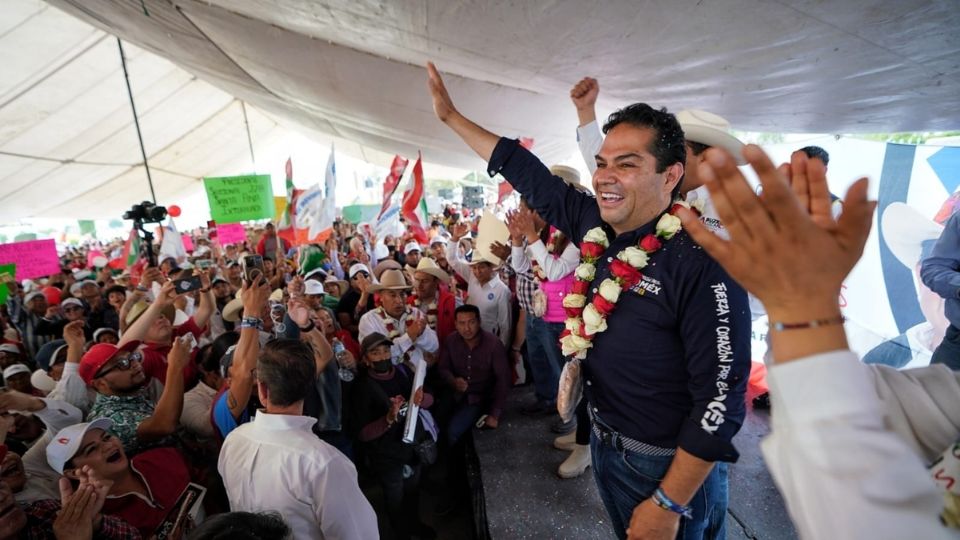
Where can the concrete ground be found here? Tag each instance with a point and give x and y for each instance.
(525, 499)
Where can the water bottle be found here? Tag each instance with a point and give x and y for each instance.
(339, 351)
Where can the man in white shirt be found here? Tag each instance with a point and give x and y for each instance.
(276, 463)
(406, 326)
(484, 287)
(850, 443)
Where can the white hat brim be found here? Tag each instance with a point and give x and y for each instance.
(715, 137)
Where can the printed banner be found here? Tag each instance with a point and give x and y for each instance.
(34, 258)
(233, 199)
(397, 169)
(8, 274)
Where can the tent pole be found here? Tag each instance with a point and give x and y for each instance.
(136, 121)
(253, 160)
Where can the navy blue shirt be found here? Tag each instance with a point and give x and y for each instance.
(671, 370)
(941, 270)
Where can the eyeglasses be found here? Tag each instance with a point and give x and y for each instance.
(122, 364)
(364, 274)
(72, 308)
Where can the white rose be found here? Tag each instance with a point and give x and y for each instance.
(572, 324)
(597, 236)
(582, 354)
(574, 345)
(668, 226)
(592, 317)
(591, 330)
(633, 256)
(574, 300)
(586, 271)
(610, 291)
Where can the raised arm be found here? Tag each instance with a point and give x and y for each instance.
(456, 262)
(479, 139)
(254, 297)
(300, 314)
(138, 330)
(166, 415)
(207, 301)
(589, 138)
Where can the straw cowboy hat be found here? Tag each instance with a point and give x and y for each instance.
(429, 267)
(231, 312)
(710, 129)
(391, 280)
(341, 284)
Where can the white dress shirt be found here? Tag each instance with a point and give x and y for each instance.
(554, 267)
(845, 447)
(197, 404)
(276, 463)
(491, 298)
(427, 342)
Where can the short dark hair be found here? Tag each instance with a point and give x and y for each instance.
(698, 148)
(115, 289)
(467, 308)
(242, 526)
(287, 368)
(816, 152)
(667, 144)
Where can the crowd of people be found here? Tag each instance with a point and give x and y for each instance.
(255, 388)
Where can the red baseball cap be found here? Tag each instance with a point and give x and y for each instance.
(98, 355)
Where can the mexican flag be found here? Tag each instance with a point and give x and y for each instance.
(414, 206)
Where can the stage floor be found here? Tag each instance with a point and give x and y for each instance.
(526, 499)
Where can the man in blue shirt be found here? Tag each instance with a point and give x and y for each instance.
(665, 382)
(941, 272)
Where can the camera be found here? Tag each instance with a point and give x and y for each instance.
(146, 212)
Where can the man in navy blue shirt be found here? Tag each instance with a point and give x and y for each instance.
(665, 382)
(941, 272)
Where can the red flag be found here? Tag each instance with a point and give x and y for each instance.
(504, 188)
(411, 209)
(397, 168)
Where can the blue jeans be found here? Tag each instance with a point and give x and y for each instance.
(462, 421)
(543, 352)
(625, 479)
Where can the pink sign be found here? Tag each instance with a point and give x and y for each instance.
(187, 242)
(34, 258)
(231, 234)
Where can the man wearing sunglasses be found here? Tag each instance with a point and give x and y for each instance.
(120, 379)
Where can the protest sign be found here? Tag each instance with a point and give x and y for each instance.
(239, 198)
(34, 258)
(7, 279)
(187, 242)
(231, 234)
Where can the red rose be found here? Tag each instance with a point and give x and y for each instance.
(573, 311)
(625, 272)
(582, 331)
(580, 287)
(673, 209)
(591, 250)
(604, 306)
(564, 334)
(650, 243)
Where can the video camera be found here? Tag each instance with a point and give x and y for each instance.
(146, 212)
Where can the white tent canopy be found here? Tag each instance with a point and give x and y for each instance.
(352, 71)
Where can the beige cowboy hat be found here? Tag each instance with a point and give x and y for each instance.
(429, 267)
(710, 129)
(232, 311)
(392, 280)
(567, 174)
(138, 309)
(485, 258)
(342, 285)
(384, 265)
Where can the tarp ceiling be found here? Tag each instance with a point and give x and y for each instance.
(353, 70)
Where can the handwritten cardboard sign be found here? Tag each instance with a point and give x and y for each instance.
(231, 234)
(233, 199)
(34, 258)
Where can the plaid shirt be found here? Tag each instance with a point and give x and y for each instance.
(42, 514)
(526, 287)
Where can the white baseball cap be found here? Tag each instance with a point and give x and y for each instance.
(312, 286)
(359, 267)
(15, 369)
(31, 296)
(67, 441)
(71, 302)
(9, 348)
(411, 246)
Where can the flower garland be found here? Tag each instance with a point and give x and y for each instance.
(431, 309)
(393, 332)
(586, 320)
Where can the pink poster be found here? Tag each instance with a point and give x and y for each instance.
(34, 258)
(231, 234)
(187, 242)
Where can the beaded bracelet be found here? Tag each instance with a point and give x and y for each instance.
(308, 328)
(660, 499)
(816, 323)
(251, 322)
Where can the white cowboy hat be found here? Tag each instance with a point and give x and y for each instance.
(392, 280)
(710, 129)
(429, 267)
